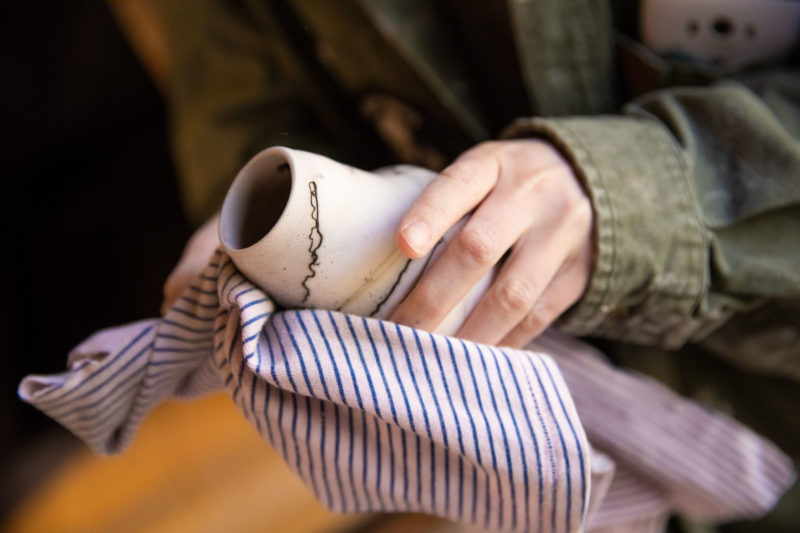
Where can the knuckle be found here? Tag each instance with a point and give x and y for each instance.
(583, 211)
(547, 183)
(463, 172)
(486, 147)
(536, 320)
(580, 213)
(513, 297)
(424, 301)
(476, 246)
(459, 175)
(432, 208)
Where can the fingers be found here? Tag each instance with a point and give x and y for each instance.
(520, 283)
(555, 240)
(529, 203)
(521, 196)
(452, 194)
(480, 244)
(502, 217)
(564, 290)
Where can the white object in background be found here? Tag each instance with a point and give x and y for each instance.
(315, 233)
(726, 33)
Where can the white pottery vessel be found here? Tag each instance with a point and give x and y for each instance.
(315, 233)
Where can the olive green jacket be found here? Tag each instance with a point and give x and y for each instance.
(695, 183)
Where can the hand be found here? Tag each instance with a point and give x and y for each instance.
(192, 262)
(529, 204)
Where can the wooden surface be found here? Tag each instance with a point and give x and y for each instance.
(196, 467)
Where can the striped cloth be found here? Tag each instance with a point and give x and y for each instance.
(380, 417)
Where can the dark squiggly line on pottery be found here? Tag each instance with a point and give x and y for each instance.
(394, 286)
(312, 249)
(400, 276)
(430, 254)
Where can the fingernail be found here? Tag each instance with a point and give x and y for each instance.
(416, 234)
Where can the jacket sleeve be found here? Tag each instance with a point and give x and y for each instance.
(696, 194)
(236, 86)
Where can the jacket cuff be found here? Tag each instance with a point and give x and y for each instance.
(650, 269)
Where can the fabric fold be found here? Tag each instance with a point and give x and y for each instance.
(379, 417)
(707, 465)
(372, 415)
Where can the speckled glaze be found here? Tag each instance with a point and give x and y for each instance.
(315, 233)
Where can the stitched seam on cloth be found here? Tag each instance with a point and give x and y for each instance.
(662, 318)
(613, 390)
(679, 300)
(592, 175)
(637, 326)
(661, 309)
(723, 488)
(686, 277)
(696, 282)
(502, 420)
(600, 388)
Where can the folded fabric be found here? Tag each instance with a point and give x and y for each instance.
(380, 417)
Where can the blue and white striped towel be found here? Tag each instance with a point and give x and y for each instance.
(380, 417)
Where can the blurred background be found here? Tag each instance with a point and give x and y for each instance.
(92, 225)
(91, 219)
